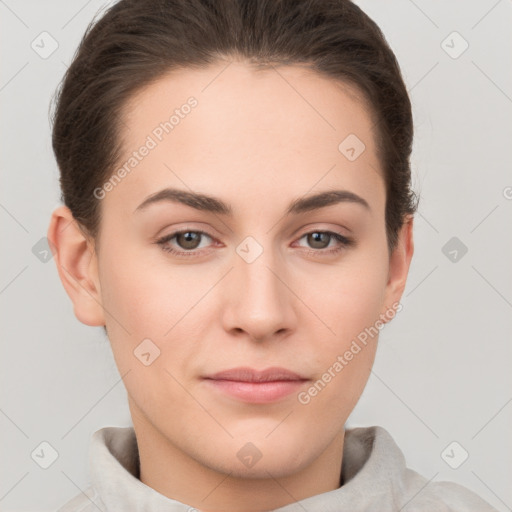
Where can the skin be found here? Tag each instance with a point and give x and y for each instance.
(258, 144)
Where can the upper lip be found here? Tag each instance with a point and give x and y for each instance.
(246, 374)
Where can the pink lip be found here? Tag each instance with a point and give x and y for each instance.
(255, 386)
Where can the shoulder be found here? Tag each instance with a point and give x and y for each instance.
(443, 497)
(86, 501)
(376, 461)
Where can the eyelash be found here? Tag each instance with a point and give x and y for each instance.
(343, 241)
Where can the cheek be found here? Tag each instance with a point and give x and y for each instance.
(344, 359)
(155, 301)
(146, 307)
(147, 298)
(350, 298)
(350, 305)
(361, 301)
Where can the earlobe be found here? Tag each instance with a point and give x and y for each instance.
(399, 263)
(77, 266)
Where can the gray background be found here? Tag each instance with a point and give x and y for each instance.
(442, 372)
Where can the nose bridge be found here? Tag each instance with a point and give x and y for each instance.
(260, 302)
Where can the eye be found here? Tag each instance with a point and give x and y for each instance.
(188, 240)
(320, 241)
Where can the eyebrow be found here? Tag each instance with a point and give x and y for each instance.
(211, 204)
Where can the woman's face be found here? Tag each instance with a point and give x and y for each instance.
(255, 283)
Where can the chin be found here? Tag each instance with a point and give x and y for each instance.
(276, 465)
(243, 458)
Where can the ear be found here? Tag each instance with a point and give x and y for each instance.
(76, 260)
(399, 262)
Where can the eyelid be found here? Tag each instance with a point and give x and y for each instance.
(322, 227)
(180, 227)
(166, 238)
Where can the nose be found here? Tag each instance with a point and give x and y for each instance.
(259, 302)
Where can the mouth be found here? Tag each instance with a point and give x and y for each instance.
(256, 386)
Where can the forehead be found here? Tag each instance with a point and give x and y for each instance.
(280, 127)
(236, 93)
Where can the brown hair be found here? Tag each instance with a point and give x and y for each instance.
(138, 41)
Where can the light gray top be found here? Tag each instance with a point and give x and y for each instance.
(374, 473)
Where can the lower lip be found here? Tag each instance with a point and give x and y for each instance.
(257, 392)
